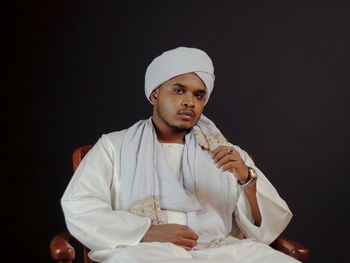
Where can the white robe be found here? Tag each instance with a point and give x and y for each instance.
(91, 208)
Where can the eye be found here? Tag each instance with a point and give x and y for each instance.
(199, 96)
(178, 90)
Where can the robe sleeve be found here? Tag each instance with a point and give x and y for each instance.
(90, 202)
(274, 210)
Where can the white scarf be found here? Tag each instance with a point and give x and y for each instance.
(202, 191)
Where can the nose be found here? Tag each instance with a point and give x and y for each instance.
(188, 101)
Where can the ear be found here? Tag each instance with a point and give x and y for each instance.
(154, 96)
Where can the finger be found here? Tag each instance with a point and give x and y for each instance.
(190, 235)
(218, 149)
(184, 242)
(229, 149)
(225, 159)
(219, 153)
(222, 151)
(187, 232)
(228, 158)
(229, 166)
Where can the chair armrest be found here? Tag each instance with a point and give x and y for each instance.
(61, 249)
(291, 248)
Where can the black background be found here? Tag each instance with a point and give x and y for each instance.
(75, 70)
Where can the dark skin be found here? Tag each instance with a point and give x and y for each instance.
(233, 163)
(177, 106)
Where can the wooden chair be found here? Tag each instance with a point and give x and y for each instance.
(62, 250)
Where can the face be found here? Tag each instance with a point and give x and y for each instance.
(179, 102)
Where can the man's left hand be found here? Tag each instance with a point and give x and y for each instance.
(228, 159)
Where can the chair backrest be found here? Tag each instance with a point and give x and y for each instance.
(78, 155)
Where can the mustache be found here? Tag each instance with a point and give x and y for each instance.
(187, 112)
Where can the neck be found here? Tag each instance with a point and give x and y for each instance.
(169, 135)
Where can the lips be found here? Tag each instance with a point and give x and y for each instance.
(187, 114)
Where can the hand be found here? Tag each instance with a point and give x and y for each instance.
(230, 160)
(180, 235)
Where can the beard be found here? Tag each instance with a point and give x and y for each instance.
(175, 128)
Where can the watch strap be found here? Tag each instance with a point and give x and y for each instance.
(252, 178)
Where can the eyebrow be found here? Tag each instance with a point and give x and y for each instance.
(202, 91)
(179, 85)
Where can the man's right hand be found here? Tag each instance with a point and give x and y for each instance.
(180, 235)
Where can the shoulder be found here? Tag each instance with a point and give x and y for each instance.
(114, 138)
(112, 141)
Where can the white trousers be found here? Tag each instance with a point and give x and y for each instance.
(244, 251)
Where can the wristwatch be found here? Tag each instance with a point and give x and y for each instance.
(252, 177)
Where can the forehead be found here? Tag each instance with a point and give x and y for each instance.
(189, 80)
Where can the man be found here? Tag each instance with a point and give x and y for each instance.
(171, 188)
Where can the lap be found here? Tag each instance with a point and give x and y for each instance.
(244, 251)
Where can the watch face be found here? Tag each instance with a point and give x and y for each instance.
(252, 173)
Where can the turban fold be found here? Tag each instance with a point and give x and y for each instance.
(176, 62)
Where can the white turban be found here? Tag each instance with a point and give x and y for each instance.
(176, 62)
